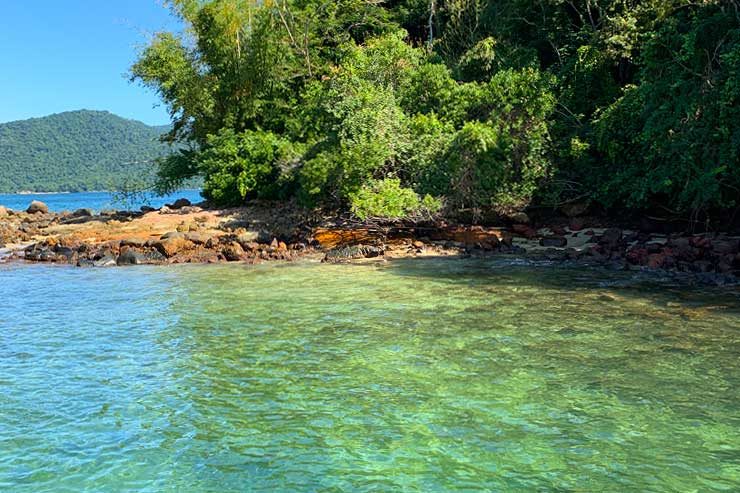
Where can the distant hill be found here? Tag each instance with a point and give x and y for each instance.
(77, 151)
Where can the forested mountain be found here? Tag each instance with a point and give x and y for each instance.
(77, 151)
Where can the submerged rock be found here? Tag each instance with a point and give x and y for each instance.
(353, 252)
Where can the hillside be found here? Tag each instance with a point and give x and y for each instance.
(76, 151)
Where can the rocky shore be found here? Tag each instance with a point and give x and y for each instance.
(184, 233)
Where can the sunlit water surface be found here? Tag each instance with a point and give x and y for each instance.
(97, 201)
(407, 376)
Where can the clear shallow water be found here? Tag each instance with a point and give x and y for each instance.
(96, 201)
(422, 376)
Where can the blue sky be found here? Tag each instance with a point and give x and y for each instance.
(67, 55)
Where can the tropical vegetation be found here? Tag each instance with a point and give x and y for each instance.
(78, 151)
(402, 106)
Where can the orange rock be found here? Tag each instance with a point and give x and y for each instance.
(172, 246)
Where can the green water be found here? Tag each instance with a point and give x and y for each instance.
(421, 376)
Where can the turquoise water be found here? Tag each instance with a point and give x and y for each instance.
(97, 201)
(426, 375)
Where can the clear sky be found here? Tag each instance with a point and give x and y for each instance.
(61, 55)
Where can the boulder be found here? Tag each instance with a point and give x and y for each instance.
(4, 211)
(245, 237)
(82, 213)
(146, 208)
(233, 251)
(611, 237)
(171, 235)
(197, 238)
(519, 218)
(524, 230)
(37, 207)
(576, 224)
(130, 257)
(133, 242)
(179, 204)
(553, 241)
(172, 246)
(353, 252)
(107, 260)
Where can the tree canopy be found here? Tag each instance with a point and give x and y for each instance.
(631, 104)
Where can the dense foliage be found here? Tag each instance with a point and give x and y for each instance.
(631, 104)
(77, 151)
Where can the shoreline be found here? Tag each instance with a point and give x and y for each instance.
(261, 232)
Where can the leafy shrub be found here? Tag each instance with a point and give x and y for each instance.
(387, 199)
(250, 163)
(364, 130)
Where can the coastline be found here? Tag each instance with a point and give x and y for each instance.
(263, 232)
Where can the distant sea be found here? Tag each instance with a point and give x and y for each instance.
(96, 201)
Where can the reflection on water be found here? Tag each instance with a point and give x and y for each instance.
(430, 375)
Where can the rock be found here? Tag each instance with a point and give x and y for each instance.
(419, 245)
(637, 256)
(575, 209)
(172, 234)
(233, 252)
(611, 237)
(553, 241)
(519, 218)
(4, 211)
(65, 251)
(353, 252)
(576, 224)
(524, 230)
(251, 246)
(37, 207)
(559, 231)
(82, 213)
(179, 204)
(133, 242)
(145, 209)
(245, 237)
(282, 247)
(108, 212)
(655, 260)
(107, 260)
(130, 257)
(197, 238)
(172, 246)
